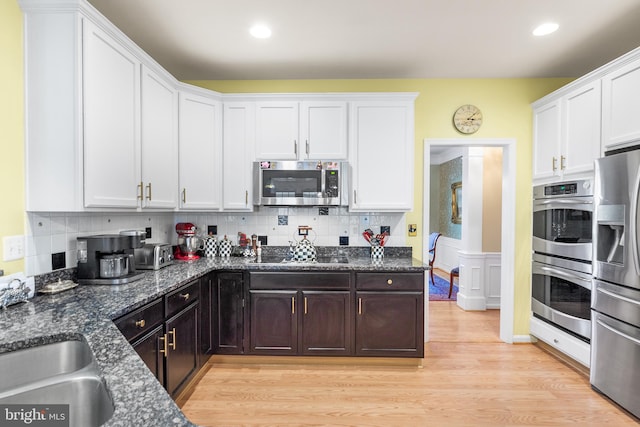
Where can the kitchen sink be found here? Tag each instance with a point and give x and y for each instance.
(64, 372)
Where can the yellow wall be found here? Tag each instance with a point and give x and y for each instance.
(506, 110)
(11, 128)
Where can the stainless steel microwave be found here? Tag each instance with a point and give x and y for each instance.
(291, 183)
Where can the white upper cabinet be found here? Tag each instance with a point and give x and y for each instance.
(381, 155)
(159, 135)
(311, 129)
(323, 130)
(237, 151)
(111, 125)
(566, 133)
(200, 150)
(277, 130)
(620, 106)
(546, 139)
(581, 129)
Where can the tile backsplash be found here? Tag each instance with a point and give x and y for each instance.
(50, 233)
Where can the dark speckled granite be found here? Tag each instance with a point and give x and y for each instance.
(87, 311)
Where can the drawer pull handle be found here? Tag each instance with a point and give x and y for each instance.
(185, 296)
(172, 332)
(305, 305)
(140, 323)
(359, 305)
(163, 350)
(555, 341)
(389, 282)
(293, 305)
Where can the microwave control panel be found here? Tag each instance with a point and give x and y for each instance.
(332, 183)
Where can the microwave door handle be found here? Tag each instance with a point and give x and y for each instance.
(633, 224)
(574, 278)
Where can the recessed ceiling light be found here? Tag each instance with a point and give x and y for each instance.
(260, 31)
(546, 28)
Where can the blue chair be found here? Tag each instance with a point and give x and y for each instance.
(433, 239)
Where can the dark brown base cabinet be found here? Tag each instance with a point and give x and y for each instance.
(166, 335)
(390, 314)
(229, 314)
(303, 315)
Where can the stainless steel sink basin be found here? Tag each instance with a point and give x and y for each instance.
(60, 373)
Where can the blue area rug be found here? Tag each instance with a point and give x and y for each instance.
(439, 291)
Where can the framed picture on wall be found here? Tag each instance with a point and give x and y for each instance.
(456, 202)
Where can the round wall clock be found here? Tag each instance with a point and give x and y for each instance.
(467, 119)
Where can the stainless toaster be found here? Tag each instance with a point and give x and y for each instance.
(153, 256)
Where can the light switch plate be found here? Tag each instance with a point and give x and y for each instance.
(12, 248)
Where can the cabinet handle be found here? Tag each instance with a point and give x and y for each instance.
(140, 323)
(307, 144)
(172, 332)
(293, 305)
(139, 197)
(305, 305)
(149, 191)
(163, 350)
(389, 282)
(562, 159)
(359, 305)
(184, 195)
(246, 197)
(553, 163)
(295, 147)
(355, 197)
(185, 296)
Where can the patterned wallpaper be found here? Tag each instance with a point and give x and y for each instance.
(450, 172)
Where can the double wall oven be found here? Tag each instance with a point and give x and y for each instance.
(562, 255)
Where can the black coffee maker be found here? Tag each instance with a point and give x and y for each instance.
(108, 259)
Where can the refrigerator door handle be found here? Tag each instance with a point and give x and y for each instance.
(617, 332)
(633, 224)
(618, 296)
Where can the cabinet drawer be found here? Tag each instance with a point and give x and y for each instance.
(141, 321)
(182, 297)
(300, 280)
(391, 281)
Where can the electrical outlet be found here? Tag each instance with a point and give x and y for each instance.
(13, 248)
(344, 240)
(262, 240)
(413, 230)
(148, 232)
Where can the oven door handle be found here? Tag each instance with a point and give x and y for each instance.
(567, 201)
(584, 204)
(574, 278)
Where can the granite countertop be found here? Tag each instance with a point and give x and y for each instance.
(86, 312)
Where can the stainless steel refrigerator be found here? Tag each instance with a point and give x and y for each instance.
(615, 298)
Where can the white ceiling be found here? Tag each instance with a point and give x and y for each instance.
(357, 39)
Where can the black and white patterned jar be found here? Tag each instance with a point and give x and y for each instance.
(224, 248)
(377, 252)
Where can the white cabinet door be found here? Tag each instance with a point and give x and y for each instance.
(620, 106)
(381, 136)
(111, 110)
(237, 151)
(200, 155)
(277, 130)
(546, 140)
(580, 129)
(323, 130)
(159, 135)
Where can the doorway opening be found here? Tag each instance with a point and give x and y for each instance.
(508, 221)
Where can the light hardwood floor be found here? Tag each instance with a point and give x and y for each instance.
(469, 378)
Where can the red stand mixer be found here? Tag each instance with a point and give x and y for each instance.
(188, 242)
